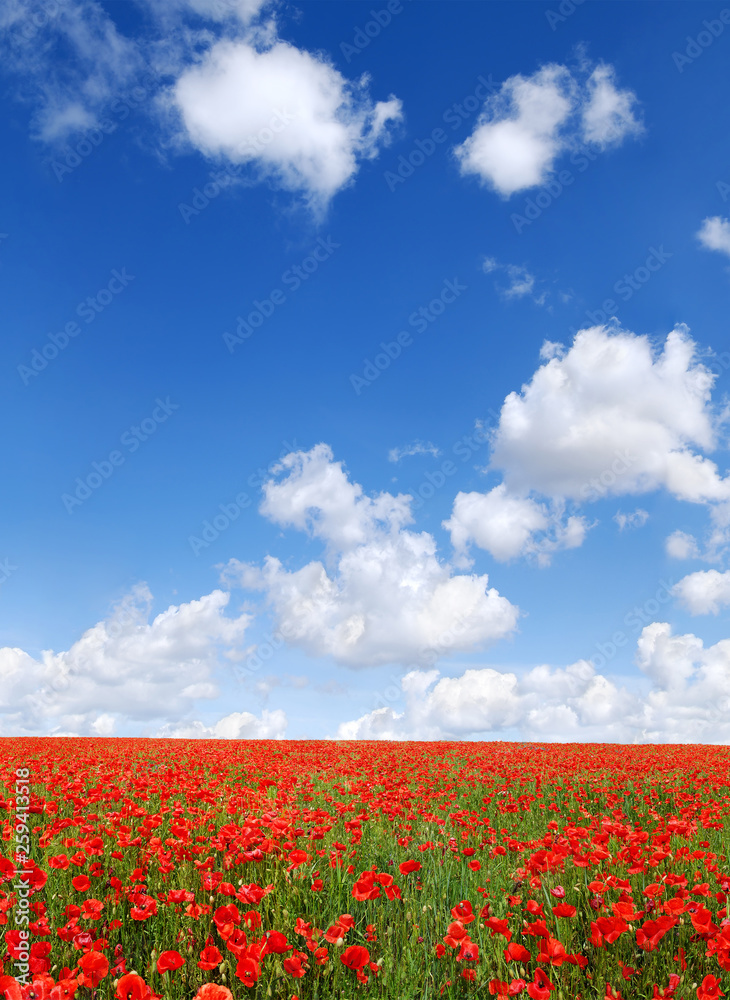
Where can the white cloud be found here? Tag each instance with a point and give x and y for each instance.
(236, 726)
(704, 592)
(680, 545)
(219, 10)
(506, 526)
(635, 519)
(714, 234)
(123, 671)
(384, 596)
(288, 113)
(533, 120)
(689, 701)
(417, 448)
(545, 703)
(608, 114)
(609, 416)
(521, 281)
(241, 94)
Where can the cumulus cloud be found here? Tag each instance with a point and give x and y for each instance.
(613, 416)
(704, 592)
(236, 726)
(416, 448)
(689, 700)
(607, 114)
(680, 545)
(610, 416)
(123, 671)
(714, 234)
(240, 95)
(635, 519)
(533, 120)
(288, 113)
(508, 526)
(383, 595)
(545, 703)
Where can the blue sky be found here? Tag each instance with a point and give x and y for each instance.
(269, 271)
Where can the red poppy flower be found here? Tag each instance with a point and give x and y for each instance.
(709, 988)
(39, 989)
(463, 912)
(498, 926)
(406, 867)
(552, 951)
(81, 883)
(355, 957)
(248, 971)
(295, 965)
(213, 991)
(515, 952)
(94, 966)
(277, 944)
(210, 958)
(65, 988)
(468, 952)
(10, 988)
(169, 961)
(132, 987)
(651, 932)
(541, 988)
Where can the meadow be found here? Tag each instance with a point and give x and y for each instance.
(141, 869)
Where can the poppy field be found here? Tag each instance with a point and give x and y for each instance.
(211, 870)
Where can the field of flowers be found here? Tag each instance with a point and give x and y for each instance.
(137, 869)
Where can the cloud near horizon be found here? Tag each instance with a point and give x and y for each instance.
(123, 670)
(688, 702)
